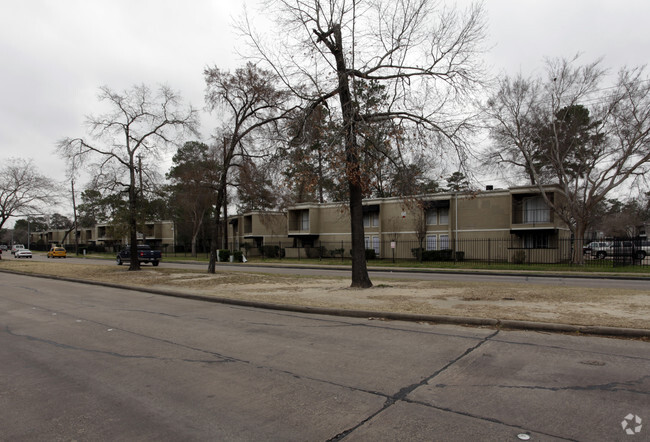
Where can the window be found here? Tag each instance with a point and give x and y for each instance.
(444, 242)
(539, 241)
(536, 211)
(304, 220)
(432, 242)
(371, 219)
(366, 242)
(443, 213)
(432, 217)
(375, 244)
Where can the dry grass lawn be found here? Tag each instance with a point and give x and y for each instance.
(567, 305)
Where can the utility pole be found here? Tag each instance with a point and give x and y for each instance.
(225, 201)
(144, 220)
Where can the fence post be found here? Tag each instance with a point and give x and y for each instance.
(489, 251)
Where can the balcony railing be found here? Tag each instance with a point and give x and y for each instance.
(299, 226)
(532, 216)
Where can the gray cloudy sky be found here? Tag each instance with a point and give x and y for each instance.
(56, 53)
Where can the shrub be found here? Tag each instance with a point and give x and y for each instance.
(438, 255)
(238, 256)
(224, 255)
(519, 257)
(270, 251)
(417, 252)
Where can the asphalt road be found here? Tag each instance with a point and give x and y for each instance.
(590, 282)
(81, 362)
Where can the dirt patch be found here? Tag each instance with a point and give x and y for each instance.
(543, 303)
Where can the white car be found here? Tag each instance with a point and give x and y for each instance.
(16, 247)
(23, 253)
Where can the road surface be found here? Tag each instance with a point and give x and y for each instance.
(81, 362)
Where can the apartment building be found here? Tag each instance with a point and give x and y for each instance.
(158, 234)
(495, 224)
(252, 230)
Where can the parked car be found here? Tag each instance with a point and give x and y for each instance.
(4, 247)
(642, 249)
(16, 247)
(596, 245)
(57, 252)
(635, 249)
(145, 254)
(23, 253)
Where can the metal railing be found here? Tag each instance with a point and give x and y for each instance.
(484, 252)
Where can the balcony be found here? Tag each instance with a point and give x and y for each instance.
(532, 216)
(299, 222)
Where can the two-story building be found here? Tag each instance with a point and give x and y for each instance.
(495, 224)
(158, 234)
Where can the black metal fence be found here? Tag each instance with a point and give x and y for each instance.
(509, 251)
(477, 252)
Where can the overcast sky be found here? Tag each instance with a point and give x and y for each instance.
(54, 54)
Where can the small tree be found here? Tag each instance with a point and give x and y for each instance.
(139, 123)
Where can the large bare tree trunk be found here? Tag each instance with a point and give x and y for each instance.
(76, 224)
(225, 222)
(578, 242)
(134, 263)
(214, 241)
(360, 278)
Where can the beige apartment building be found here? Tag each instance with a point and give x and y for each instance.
(495, 224)
(253, 230)
(158, 234)
(500, 225)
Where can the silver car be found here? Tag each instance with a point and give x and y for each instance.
(23, 253)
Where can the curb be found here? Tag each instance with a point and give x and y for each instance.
(370, 314)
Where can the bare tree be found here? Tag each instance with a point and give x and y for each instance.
(567, 129)
(23, 189)
(249, 101)
(424, 59)
(139, 124)
(71, 175)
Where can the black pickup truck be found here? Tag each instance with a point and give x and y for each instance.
(145, 254)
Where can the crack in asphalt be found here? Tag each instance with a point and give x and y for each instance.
(575, 350)
(612, 386)
(148, 312)
(111, 353)
(405, 391)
